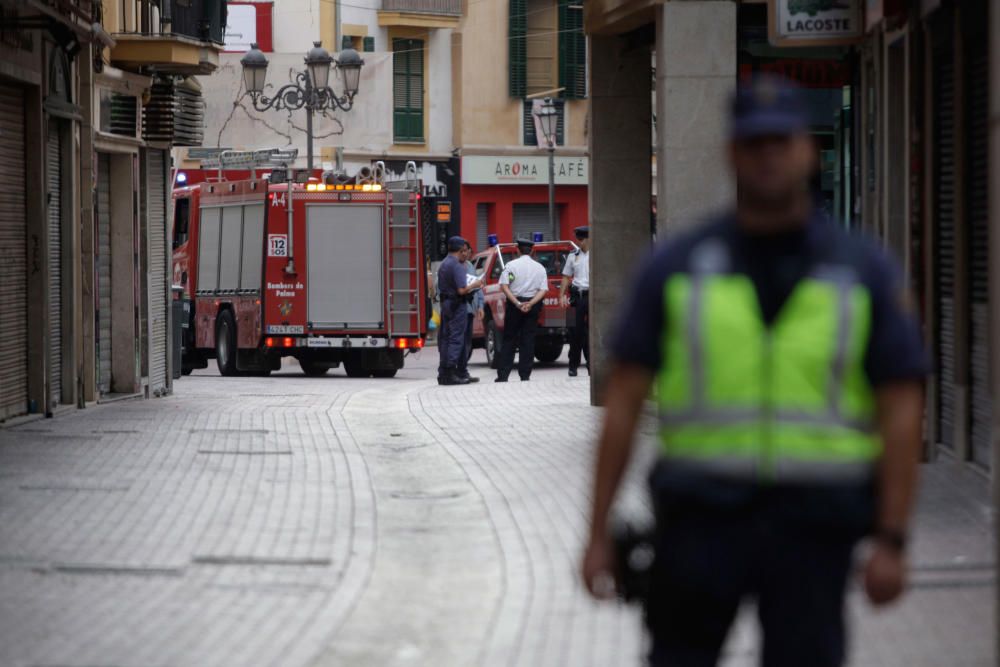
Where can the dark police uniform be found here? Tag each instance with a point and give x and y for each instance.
(454, 315)
(788, 544)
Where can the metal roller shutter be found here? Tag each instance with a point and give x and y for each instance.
(13, 257)
(978, 220)
(482, 227)
(53, 171)
(531, 218)
(157, 220)
(944, 241)
(104, 272)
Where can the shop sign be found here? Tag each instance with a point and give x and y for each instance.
(814, 22)
(436, 178)
(522, 170)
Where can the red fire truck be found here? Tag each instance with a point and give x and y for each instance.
(555, 319)
(328, 271)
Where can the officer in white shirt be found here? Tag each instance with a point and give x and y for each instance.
(524, 284)
(576, 277)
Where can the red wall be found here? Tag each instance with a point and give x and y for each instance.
(571, 202)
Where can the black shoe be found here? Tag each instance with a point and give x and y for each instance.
(452, 378)
(572, 372)
(500, 380)
(526, 379)
(471, 379)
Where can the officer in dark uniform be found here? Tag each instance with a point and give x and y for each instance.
(788, 369)
(456, 292)
(576, 278)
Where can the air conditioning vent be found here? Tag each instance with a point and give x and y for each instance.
(119, 114)
(175, 113)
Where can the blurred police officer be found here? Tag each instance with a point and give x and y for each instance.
(455, 290)
(576, 277)
(524, 283)
(476, 311)
(788, 371)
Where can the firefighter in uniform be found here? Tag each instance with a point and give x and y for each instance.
(576, 277)
(788, 370)
(524, 283)
(456, 292)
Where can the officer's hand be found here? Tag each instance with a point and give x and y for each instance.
(525, 307)
(885, 574)
(598, 568)
(564, 301)
(480, 314)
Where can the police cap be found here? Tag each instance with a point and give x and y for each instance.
(525, 243)
(768, 105)
(456, 243)
(582, 232)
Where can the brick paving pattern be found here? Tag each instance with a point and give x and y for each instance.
(328, 521)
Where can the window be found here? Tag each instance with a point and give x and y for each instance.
(408, 90)
(547, 48)
(182, 213)
(531, 137)
(369, 44)
(552, 260)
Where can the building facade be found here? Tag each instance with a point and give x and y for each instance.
(92, 97)
(508, 56)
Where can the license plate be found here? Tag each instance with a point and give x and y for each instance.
(319, 342)
(285, 329)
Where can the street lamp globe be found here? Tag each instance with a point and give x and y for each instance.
(548, 119)
(254, 69)
(349, 63)
(318, 61)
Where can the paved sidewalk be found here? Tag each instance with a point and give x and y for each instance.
(328, 521)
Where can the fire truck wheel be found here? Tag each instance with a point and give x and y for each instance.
(494, 340)
(384, 373)
(225, 343)
(311, 369)
(355, 367)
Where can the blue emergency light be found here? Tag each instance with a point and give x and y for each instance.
(182, 178)
(537, 237)
(492, 239)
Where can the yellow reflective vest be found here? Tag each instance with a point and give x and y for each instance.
(785, 402)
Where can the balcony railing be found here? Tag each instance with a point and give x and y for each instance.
(437, 7)
(203, 20)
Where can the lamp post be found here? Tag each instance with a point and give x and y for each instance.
(548, 120)
(311, 88)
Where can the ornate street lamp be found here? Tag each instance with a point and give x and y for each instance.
(254, 70)
(548, 121)
(311, 88)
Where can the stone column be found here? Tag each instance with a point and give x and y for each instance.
(994, 188)
(620, 173)
(695, 76)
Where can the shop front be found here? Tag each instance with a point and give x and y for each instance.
(508, 195)
(826, 72)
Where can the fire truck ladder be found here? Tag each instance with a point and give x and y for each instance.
(405, 260)
(252, 160)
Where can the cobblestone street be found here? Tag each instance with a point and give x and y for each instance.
(328, 521)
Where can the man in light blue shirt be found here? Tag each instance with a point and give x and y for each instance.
(476, 311)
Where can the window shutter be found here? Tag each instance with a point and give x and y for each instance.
(518, 48)
(572, 50)
(530, 138)
(408, 89)
(369, 43)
